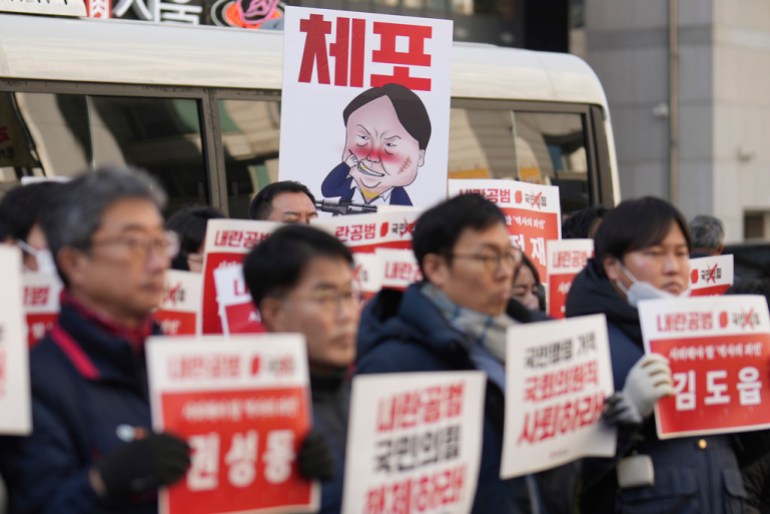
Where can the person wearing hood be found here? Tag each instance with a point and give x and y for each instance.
(456, 319)
(642, 252)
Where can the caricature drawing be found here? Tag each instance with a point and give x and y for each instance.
(387, 130)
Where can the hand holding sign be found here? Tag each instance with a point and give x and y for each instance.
(648, 381)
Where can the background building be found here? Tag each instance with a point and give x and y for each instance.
(703, 138)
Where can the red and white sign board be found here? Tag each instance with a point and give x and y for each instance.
(41, 303)
(227, 243)
(237, 311)
(15, 408)
(368, 274)
(719, 351)
(558, 374)
(532, 213)
(414, 442)
(364, 233)
(711, 276)
(399, 268)
(390, 145)
(243, 405)
(179, 311)
(566, 258)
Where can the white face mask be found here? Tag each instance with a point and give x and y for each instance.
(43, 258)
(640, 290)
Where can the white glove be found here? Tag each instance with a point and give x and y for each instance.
(648, 381)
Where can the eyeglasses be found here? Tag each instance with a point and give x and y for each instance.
(139, 247)
(491, 261)
(331, 301)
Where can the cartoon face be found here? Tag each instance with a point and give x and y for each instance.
(380, 152)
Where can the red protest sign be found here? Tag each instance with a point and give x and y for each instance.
(41, 303)
(364, 233)
(532, 213)
(227, 243)
(243, 405)
(178, 312)
(414, 439)
(566, 258)
(719, 352)
(711, 276)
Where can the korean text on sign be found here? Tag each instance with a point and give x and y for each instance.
(558, 375)
(566, 258)
(414, 443)
(242, 404)
(711, 276)
(532, 213)
(719, 351)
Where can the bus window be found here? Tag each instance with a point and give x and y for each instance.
(62, 134)
(551, 149)
(250, 131)
(540, 147)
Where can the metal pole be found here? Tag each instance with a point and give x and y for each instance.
(673, 100)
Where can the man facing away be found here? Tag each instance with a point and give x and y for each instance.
(301, 279)
(92, 448)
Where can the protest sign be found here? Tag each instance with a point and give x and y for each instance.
(532, 213)
(227, 243)
(558, 375)
(399, 268)
(41, 303)
(364, 233)
(414, 442)
(711, 276)
(566, 258)
(15, 409)
(243, 405)
(237, 311)
(178, 312)
(719, 351)
(367, 274)
(365, 106)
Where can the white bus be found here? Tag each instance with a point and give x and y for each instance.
(199, 107)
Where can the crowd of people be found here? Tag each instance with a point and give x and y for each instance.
(92, 448)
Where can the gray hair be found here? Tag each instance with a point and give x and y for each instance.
(76, 212)
(707, 232)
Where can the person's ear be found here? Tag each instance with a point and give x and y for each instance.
(421, 160)
(272, 313)
(74, 264)
(435, 269)
(612, 267)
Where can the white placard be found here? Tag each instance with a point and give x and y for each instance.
(244, 405)
(182, 299)
(371, 150)
(15, 408)
(711, 276)
(558, 375)
(439, 415)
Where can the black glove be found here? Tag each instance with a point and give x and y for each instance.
(619, 411)
(316, 461)
(144, 464)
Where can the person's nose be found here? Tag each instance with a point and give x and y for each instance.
(671, 264)
(158, 260)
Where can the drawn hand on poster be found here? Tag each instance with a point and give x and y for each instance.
(387, 130)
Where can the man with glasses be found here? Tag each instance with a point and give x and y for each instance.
(456, 319)
(92, 448)
(301, 279)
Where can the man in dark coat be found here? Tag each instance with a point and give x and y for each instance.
(456, 320)
(301, 279)
(92, 448)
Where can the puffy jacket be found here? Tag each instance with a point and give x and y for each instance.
(692, 474)
(331, 403)
(86, 383)
(406, 332)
